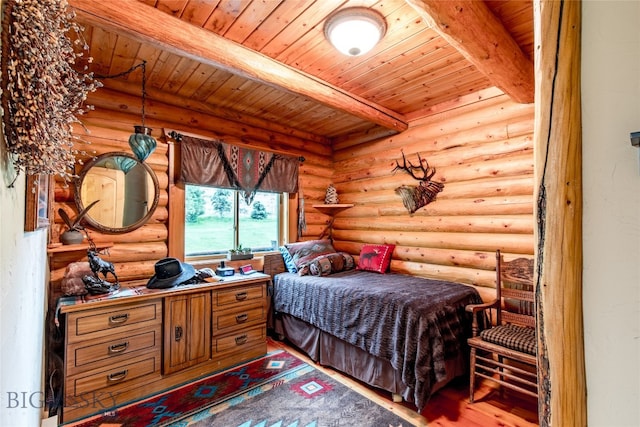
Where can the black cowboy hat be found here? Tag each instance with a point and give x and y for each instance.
(170, 272)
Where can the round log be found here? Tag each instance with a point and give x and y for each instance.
(392, 206)
(512, 205)
(113, 101)
(66, 193)
(492, 187)
(516, 224)
(514, 243)
(140, 270)
(558, 146)
(118, 253)
(129, 252)
(313, 231)
(316, 170)
(382, 165)
(431, 131)
(94, 135)
(156, 161)
(149, 232)
(160, 215)
(207, 108)
(513, 165)
(468, 192)
(104, 117)
(468, 276)
(447, 257)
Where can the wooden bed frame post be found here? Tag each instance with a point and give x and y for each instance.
(558, 211)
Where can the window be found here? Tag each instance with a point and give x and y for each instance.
(217, 220)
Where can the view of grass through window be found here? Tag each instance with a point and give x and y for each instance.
(211, 215)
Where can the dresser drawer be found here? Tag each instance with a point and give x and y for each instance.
(119, 377)
(225, 321)
(239, 341)
(227, 297)
(89, 324)
(87, 355)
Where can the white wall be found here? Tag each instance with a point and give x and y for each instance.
(23, 272)
(611, 172)
(23, 278)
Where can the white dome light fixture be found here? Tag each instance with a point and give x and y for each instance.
(355, 31)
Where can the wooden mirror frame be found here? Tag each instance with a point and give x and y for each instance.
(89, 220)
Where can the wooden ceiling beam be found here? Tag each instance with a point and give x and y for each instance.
(146, 24)
(470, 27)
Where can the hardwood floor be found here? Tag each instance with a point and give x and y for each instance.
(449, 406)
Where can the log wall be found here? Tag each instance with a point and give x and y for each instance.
(483, 153)
(481, 149)
(108, 128)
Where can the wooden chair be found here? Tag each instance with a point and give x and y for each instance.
(501, 350)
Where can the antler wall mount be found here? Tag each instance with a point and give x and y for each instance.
(415, 197)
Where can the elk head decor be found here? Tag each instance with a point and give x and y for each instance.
(414, 197)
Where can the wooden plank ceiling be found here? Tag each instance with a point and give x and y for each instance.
(267, 61)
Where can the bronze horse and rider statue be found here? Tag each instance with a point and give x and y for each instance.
(95, 284)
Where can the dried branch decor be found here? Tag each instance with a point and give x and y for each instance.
(414, 197)
(42, 92)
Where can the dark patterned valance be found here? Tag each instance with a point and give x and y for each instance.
(216, 164)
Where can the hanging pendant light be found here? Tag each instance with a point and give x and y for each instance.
(141, 142)
(355, 31)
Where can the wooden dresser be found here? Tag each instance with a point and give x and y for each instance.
(239, 323)
(142, 341)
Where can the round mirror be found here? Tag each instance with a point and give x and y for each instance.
(127, 191)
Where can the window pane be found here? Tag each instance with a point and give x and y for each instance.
(208, 220)
(259, 222)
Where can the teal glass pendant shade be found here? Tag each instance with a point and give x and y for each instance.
(141, 142)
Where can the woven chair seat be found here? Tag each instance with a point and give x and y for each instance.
(519, 338)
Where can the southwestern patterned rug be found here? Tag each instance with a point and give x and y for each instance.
(278, 390)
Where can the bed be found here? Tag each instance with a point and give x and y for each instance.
(400, 333)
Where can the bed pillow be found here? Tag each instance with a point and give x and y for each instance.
(328, 264)
(288, 261)
(375, 258)
(303, 253)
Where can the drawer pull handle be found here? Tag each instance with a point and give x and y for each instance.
(241, 296)
(118, 348)
(242, 339)
(119, 318)
(240, 318)
(117, 376)
(178, 333)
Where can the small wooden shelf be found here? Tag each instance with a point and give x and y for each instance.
(331, 210)
(333, 207)
(57, 248)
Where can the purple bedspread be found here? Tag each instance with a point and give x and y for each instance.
(414, 323)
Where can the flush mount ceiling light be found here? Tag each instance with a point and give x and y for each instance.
(355, 31)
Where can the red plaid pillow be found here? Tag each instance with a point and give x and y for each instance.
(375, 258)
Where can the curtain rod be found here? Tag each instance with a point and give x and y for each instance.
(178, 137)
